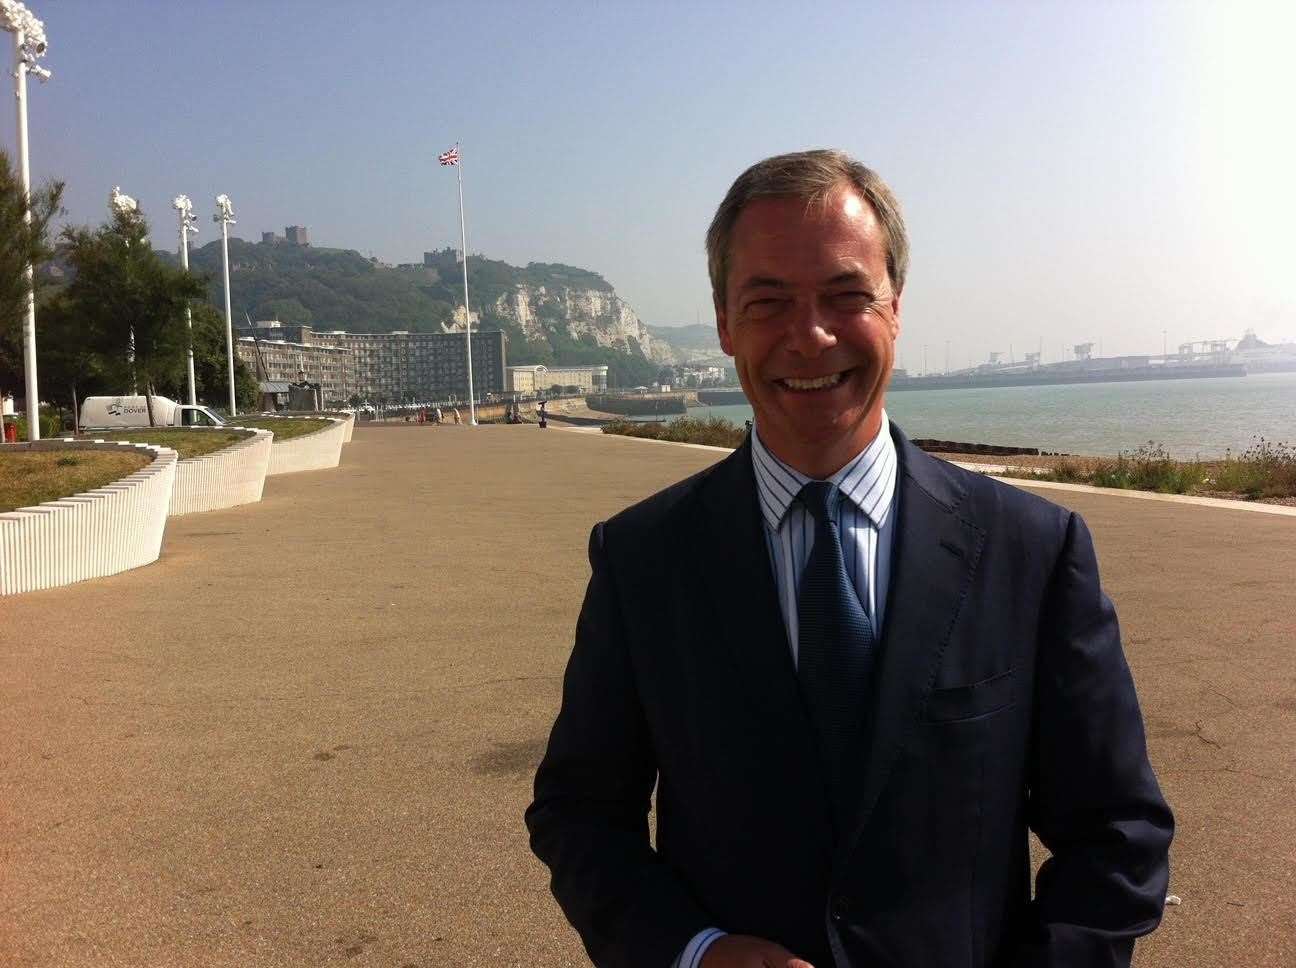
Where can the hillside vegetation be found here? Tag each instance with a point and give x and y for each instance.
(342, 289)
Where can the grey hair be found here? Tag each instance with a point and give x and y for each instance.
(813, 176)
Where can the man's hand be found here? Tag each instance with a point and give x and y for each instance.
(744, 951)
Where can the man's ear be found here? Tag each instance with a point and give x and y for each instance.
(895, 316)
(722, 329)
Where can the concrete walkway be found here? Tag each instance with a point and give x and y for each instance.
(306, 735)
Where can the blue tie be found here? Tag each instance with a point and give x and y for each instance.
(834, 651)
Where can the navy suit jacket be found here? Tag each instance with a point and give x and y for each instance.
(1002, 701)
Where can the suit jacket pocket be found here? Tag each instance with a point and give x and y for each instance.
(958, 703)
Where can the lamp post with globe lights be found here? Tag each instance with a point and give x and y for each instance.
(188, 225)
(225, 216)
(29, 46)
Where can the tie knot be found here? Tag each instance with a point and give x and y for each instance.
(821, 498)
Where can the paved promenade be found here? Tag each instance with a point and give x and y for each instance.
(306, 736)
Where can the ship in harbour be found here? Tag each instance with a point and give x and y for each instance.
(1202, 359)
(1031, 373)
(1261, 357)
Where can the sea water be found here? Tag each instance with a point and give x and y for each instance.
(1187, 417)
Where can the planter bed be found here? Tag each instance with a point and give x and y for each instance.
(98, 532)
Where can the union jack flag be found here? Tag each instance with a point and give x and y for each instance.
(450, 157)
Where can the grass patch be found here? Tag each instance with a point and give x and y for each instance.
(283, 428)
(1263, 471)
(186, 443)
(715, 431)
(28, 478)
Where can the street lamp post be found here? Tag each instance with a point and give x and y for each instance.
(225, 216)
(188, 224)
(29, 44)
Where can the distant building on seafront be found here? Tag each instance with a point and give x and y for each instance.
(387, 366)
(539, 378)
(694, 375)
(279, 361)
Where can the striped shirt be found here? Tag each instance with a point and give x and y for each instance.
(866, 526)
(864, 522)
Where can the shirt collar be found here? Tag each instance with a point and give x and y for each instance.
(867, 481)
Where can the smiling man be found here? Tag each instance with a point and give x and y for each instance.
(889, 671)
(810, 315)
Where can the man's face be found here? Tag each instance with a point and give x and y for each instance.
(811, 320)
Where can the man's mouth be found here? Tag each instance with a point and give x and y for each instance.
(809, 384)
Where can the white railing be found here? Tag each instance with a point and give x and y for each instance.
(310, 452)
(90, 535)
(226, 478)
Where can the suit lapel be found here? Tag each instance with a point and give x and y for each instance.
(934, 555)
(740, 581)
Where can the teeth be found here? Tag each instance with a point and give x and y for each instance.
(818, 383)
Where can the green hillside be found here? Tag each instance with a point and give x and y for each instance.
(342, 289)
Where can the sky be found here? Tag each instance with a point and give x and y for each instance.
(1120, 173)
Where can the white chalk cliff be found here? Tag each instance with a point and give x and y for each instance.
(594, 315)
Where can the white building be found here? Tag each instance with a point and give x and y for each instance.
(539, 378)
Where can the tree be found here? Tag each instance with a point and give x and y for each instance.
(211, 364)
(285, 310)
(71, 367)
(21, 245)
(130, 304)
(246, 391)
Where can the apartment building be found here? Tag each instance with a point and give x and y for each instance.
(282, 361)
(401, 365)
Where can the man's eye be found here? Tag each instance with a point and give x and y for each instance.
(858, 299)
(763, 308)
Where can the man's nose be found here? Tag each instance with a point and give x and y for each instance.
(810, 332)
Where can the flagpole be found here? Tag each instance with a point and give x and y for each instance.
(463, 238)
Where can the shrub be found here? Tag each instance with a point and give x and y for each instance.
(1069, 472)
(1150, 468)
(714, 431)
(51, 425)
(1265, 469)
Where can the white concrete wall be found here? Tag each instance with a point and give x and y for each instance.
(312, 452)
(101, 532)
(225, 479)
(349, 419)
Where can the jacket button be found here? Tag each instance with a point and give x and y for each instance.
(840, 907)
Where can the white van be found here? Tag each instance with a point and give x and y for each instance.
(110, 413)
